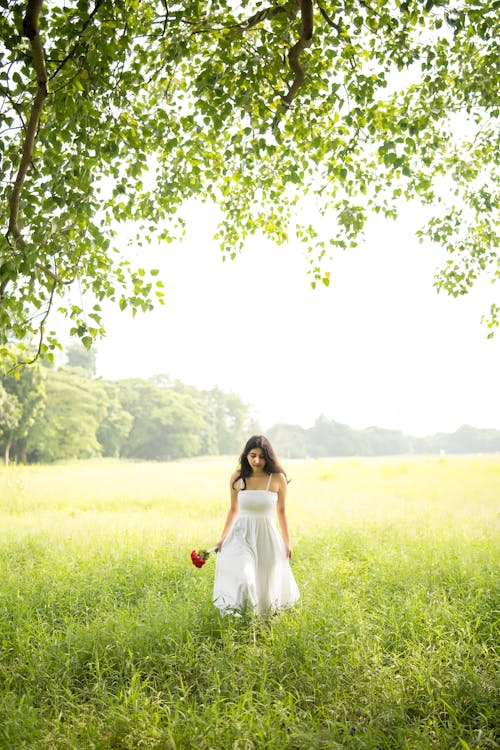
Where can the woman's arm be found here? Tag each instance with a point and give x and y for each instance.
(282, 519)
(233, 512)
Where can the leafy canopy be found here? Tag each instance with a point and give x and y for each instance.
(118, 112)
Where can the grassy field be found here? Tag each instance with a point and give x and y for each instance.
(108, 638)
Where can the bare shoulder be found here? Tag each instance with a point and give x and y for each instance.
(234, 477)
(278, 483)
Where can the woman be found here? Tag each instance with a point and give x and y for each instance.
(253, 572)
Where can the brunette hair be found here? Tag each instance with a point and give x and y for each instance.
(273, 465)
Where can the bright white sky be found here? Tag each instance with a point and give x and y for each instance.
(378, 347)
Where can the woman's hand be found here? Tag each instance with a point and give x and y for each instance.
(288, 551)
(218, 546)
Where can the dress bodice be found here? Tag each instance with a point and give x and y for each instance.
(257, 502)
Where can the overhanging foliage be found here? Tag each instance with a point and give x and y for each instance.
(119, 112)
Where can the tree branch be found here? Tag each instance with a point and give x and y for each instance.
(167, 13)
(332, 24)
(3, 287)
(262, 15)
(41, 329)
(30, 20)
(306, 34)
(72, 51)
(30, 29)
(55, 278)
(15, 106)
(245, 25)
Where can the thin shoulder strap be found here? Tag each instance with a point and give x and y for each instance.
(269, 481)
(242, 484)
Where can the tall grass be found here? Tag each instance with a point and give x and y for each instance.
(108, 638)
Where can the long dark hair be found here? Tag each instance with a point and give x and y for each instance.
(273, 465)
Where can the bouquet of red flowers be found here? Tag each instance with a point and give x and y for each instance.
(199, 558)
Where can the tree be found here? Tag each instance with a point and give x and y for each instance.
(10, 416)
(115, 428)
(289, 440)
(79, 356)
(27, 385)
(67, 429)
(329, 438)
(119, 112)
(232, 421)
(206, 424)
(166, 424)
(383, 442)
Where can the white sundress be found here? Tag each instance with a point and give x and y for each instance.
(252, 572)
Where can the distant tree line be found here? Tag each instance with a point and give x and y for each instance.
(49, 414)
(329, 438)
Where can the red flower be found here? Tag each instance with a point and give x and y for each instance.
(199, 558)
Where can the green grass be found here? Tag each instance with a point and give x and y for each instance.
(108, 638)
